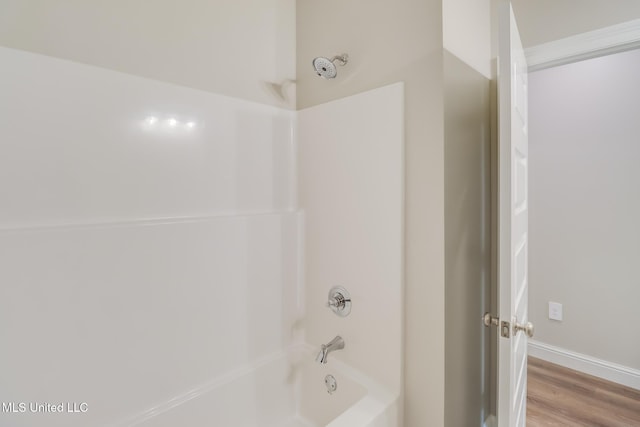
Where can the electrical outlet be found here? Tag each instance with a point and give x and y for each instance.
(555, 311)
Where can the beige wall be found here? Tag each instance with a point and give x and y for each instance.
(542, 21)
(244, 48)
(468, 348)
(467, 32)
(585, 205)
(467, 243)
(390, 42)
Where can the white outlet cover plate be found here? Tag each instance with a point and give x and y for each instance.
(555, 311)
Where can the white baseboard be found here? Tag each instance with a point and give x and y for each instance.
(589, 365)
(491, 421)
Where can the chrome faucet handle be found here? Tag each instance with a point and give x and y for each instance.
(339, 301)
(336, 302)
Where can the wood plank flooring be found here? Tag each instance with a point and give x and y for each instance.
(558, 396)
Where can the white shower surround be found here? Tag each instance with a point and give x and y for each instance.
(148, 266)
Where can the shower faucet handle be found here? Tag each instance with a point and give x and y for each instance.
(339, 301)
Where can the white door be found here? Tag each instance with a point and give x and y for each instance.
(513, 224)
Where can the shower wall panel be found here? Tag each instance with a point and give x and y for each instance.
(148, 239)
(351, 161)
(85, 144)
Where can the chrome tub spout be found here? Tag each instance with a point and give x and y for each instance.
(335, 344)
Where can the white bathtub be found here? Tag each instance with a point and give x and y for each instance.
(283, 390)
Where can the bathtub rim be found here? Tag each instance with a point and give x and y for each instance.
(376, 400)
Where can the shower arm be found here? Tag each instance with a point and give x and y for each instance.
(343, 59)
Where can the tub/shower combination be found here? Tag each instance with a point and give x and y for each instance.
(166, 253)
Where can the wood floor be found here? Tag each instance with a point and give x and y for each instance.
(558, 396)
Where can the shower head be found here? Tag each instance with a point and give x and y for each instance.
(327, 67)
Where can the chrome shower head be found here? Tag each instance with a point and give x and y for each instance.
(327, 67)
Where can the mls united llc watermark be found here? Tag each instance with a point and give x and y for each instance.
(44, 408)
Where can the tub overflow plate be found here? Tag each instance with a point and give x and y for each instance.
(331, 383)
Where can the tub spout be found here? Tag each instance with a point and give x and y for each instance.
(335, 344)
